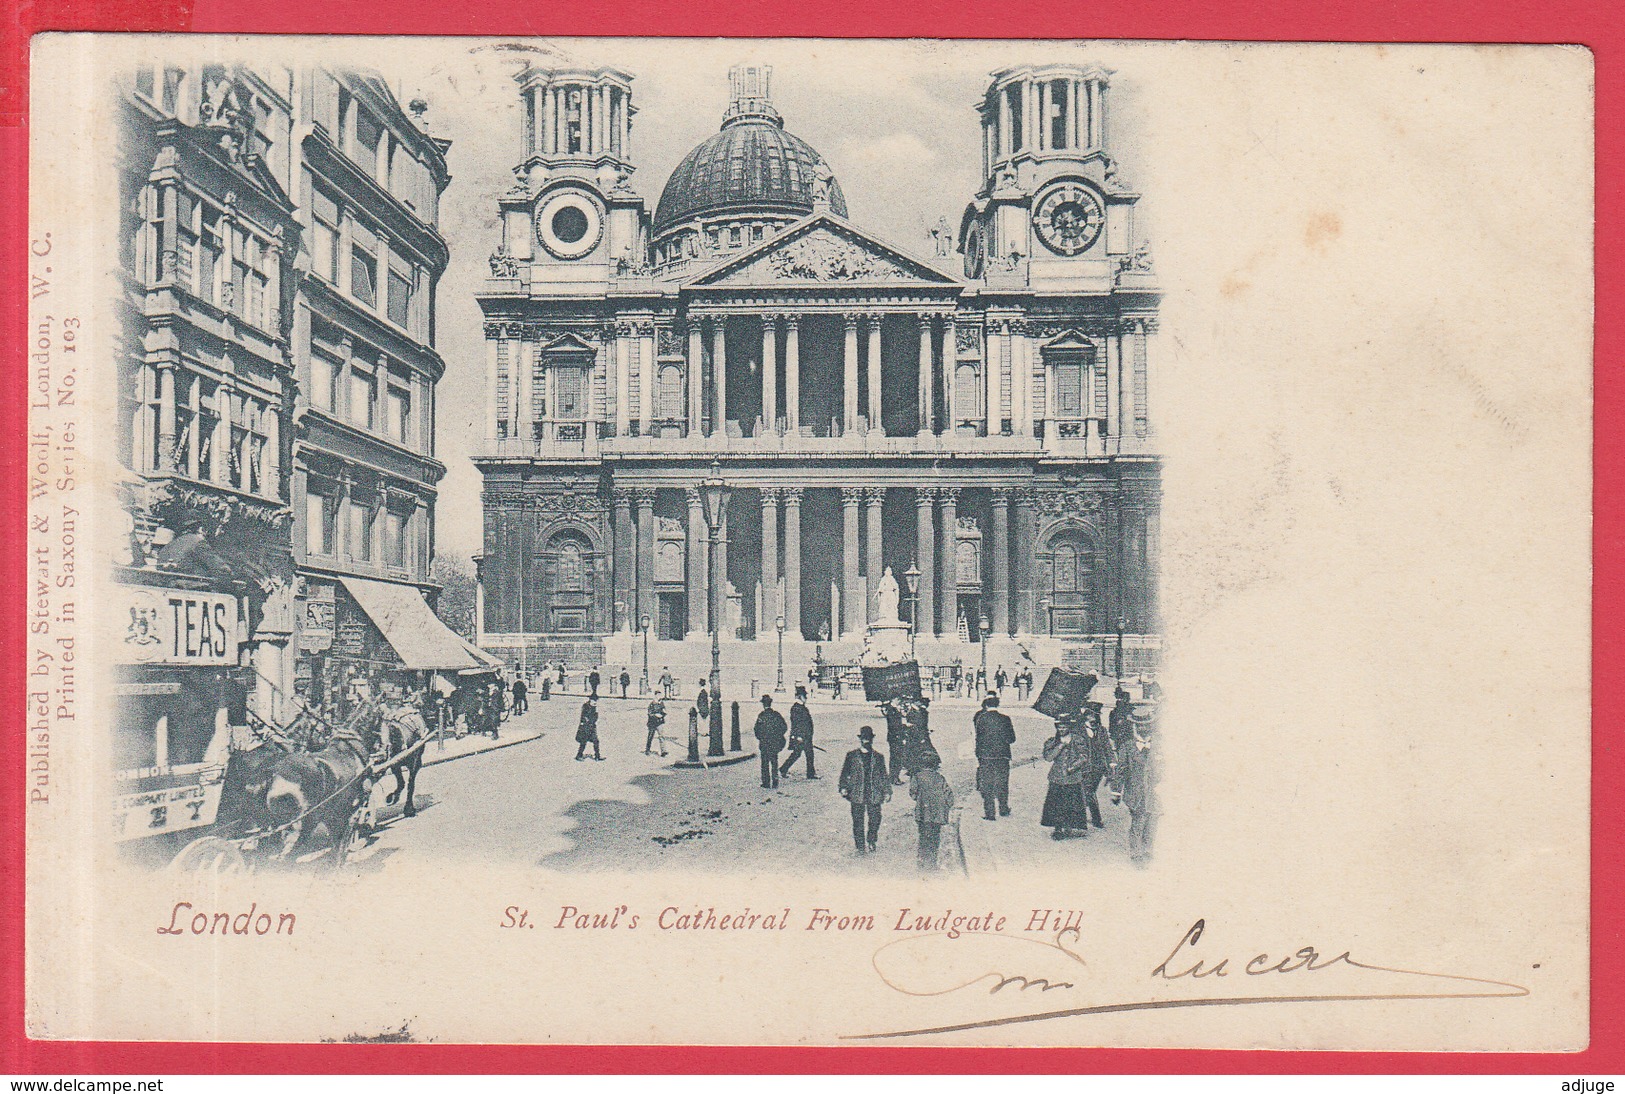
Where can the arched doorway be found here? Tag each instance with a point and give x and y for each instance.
(566, 582)
(1069, 582)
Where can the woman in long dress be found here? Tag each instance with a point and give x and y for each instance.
(1068, 756)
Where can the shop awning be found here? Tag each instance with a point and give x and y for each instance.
(412, 630)
(486, 660)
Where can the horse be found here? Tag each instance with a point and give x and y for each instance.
(312, 790)
(403, 733)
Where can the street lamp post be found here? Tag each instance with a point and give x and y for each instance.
(1122, 625)
(779, 623)
(987, 630)
(714, 496)
(643, 684)
(913, 576)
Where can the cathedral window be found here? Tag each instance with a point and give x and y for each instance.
(968, 391)
(570, 393)
(671, 391)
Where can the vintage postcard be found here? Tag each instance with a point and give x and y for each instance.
(792, 542)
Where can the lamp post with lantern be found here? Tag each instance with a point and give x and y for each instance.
(912, 574)
(714, 498)
(779, 625)
(986, 627)
(643, 683)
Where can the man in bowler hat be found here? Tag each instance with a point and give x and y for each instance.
(994, 736)
(801, 735)
(865, 785)
(770, 733)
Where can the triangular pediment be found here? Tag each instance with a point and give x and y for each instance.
(822, 250)
(569, 342)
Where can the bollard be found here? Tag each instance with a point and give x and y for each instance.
(733, 742)
(715, 746)
(693, 735)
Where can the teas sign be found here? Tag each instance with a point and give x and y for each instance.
(178, 627)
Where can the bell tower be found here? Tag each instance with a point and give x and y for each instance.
(572, 216)
(1051, 209)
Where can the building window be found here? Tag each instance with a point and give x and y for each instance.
(570, 569)
(210, 250)
(324, 377)
(1072, 564)
(1018, 135)
(1068, 387)
(968, 391)
(174, 87)
(144, 82)
(208, 429)
(361, 385)
(324, 237)
(363, 276)
(398, 411)
(395, 539)
(967, 563)
(368, 134)
(363, 527)
(185, 416)
(400, 293)
(570, 393)
(671, 391)
(321, 524)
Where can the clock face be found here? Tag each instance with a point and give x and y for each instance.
(569, 224)
(1068, 219)
(973, 253)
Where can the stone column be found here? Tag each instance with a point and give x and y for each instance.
(875, 422)
(1092, 128)
(771, 604)
(925, 374)
(646, 558)
(1072, 113)
(992, 363)
(525, 377)
(493, 335)
(925, 560)
(1021, 381)
(770, 373)
(949, 615)
(950, 375)
(1114, 382)
(853, 616)
(849, 375)
(648, 379)
(696, 371)
(622, 562)
(792, 561)
(792, 378)
(719, 377)
(1125, 380)
(875, 499)
(1043, 116)
(623, 379)
(998, 574)
(697, 545)
(1022, 541)
(1006, 142)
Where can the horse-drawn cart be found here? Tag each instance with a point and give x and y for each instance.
(290, 800)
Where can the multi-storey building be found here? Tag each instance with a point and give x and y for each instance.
(276, 374)
(983, 420)
(367, 185)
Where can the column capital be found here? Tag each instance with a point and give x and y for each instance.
(1026, 496)
(925, 495)
(850, 320)
(644, 496)
(852, 495)
(692, 494)
(792, 495)
(1002, 495)
(770, 320)
(874, 318)
(771, 495)
(621, 497)
(792, 320)
(875, 495)
(948, 495)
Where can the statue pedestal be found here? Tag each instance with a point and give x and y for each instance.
(886, 643)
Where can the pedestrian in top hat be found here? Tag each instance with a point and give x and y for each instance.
(593, 680)
(770, 734)
(1068, 757)
(626, 684)
(801, 735)
(657, 718)
(933, 802)
(521, 695)
(703, 702)
(1138, 770)
(864, 784)
(1000, 679)
(1118, 727)
(1098, 745)
(587, 730)
(994, 735)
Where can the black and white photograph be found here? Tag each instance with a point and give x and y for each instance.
(809, 542)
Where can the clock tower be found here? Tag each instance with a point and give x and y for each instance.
(1051, 212)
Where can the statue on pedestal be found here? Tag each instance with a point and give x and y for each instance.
(886, 598)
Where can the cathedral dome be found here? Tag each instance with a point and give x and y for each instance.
(752, 166)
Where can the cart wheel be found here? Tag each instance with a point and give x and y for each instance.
(209, 855)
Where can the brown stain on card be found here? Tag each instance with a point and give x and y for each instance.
(1321, 231)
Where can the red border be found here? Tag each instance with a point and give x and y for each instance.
(1263, 20)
